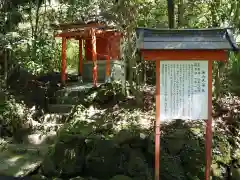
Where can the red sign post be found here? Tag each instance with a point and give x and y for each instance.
(184, 76)
(208, 136)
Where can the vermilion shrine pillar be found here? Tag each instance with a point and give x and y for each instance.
(94, 55)
(64, 60)
(108, 68)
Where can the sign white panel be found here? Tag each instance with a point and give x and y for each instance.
(183, 90)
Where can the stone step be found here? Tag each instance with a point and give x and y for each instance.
(73, 94)
(70, 99)
(19, 160)
(76, 89)
(40, 138)
(32, 149)
(46, 126)
(59, 108)
(54, 118)
(18, 165)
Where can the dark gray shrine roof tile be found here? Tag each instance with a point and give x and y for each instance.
(186, 39)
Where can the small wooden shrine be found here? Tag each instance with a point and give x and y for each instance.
(99, 50)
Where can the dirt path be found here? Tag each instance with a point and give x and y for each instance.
(19, 160)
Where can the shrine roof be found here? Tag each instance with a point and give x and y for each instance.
(80, 29)
(186, 39)
(80, 25)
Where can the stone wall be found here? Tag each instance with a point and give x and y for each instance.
(117, 70)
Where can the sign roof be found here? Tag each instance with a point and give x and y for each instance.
(186, 39)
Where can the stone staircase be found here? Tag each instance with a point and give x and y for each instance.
(66, 98)
(20, 159)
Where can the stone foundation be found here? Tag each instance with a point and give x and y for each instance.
(117, 71)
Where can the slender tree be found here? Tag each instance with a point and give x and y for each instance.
(171, 19)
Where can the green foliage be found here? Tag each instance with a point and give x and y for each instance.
(72, 55)
(15, 117)
(11, 116)
(234, 74)
(110, 92)
(45, 54)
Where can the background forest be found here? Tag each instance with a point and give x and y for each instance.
(76, 148)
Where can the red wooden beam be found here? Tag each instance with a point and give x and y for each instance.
(69, 34)
(80, 33)
(84, 33)
(64, 60)
(218, 55)
(80, 25)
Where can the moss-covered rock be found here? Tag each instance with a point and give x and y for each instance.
(235, 173)
(121, 177)
(104, 160)
(171, 167)
(38, 177)
(123, 136)
(78, 178)
(175, 140)
(132, 138)
(66, 158)
(106, 93)
(193, 158)
(222, 149)
(137, 165)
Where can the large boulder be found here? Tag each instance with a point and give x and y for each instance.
(137, 166)
(104, 160)
(22, 82)
(235, 173)
(78, 178)
(132, 138)
(19, 77)
(171, 167)
(174, 141)
(222, 155)
(67, 158)
(193, 155)
(121, 177)
(38, 177)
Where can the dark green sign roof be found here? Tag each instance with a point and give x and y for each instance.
(186, 39)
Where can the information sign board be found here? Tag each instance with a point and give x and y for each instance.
(183, 90)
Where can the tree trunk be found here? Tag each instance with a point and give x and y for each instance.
(5, 66)
(219, 67)
(171, 19)
(181, 8)
(35, 30)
